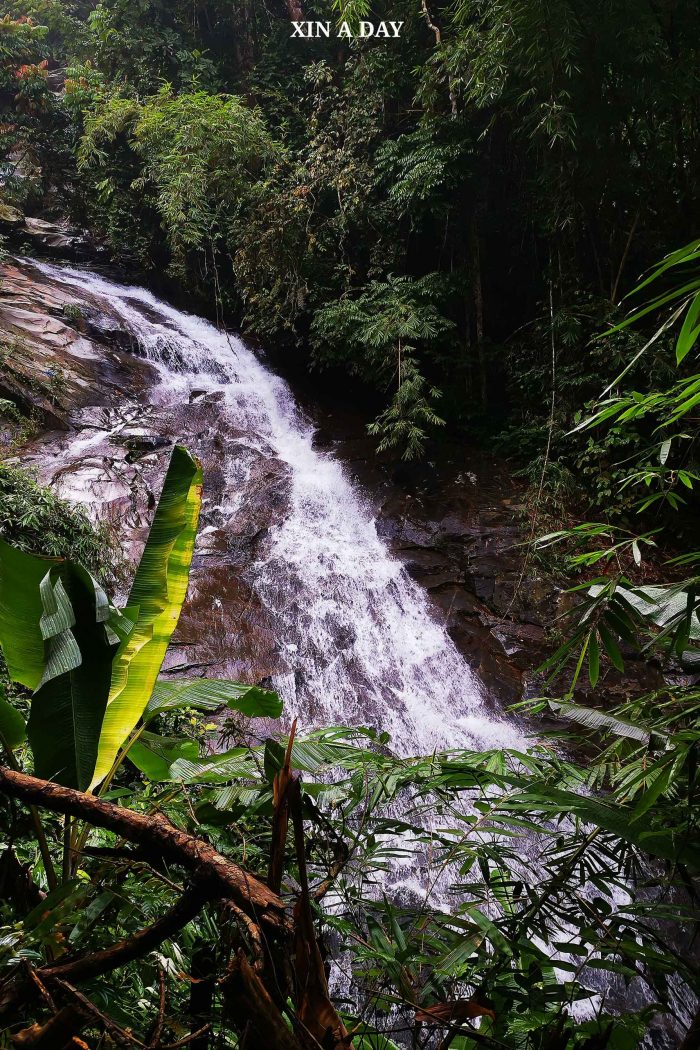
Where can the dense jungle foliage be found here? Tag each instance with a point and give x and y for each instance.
(444, 226)
(448, 218)
(160, 892)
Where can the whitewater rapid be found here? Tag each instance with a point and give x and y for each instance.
(361, 644)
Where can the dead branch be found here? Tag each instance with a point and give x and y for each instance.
(280, 816)
(316, 1012)
(187, 1039)
(95, 1016)
(55, 1034)
(41, 988)
(158, 1026)
(253, 941)
(247, 1001)
(435, 30)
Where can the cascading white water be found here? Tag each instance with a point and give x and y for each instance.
(361, 642)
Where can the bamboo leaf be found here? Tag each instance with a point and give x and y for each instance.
(593, 661)
(690, 331)
(611, 647)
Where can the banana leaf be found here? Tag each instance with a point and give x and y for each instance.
(592, 718)
(158, 592)
(209, 694)
(154, 754)
(70, 701)
(13, 732)
(20, 612)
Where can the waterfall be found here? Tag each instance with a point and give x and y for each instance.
(357, 639)
(360, 643)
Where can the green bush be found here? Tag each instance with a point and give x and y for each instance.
(34, 518)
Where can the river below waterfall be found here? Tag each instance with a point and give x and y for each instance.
(291, 582)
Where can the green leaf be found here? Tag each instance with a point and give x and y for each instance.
(611, 647)
(20, 612)
(614, 818)
(68, 707)
(657, 788)
(492, 932)
(593, 661)
(209, 694)
(154, 754)
(690, 331)
(680, 257)
(229, 765)
(13, 732)
(158, 590)
(592, 718)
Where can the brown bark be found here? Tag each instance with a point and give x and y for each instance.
(314, 1007)
(249, 1003)
(135, 947)
(251, 941)
(96, 964)
(213, 872)
(280, 817)
(95, 1018)
(55, 1034)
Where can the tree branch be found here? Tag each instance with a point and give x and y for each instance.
(56, 1033)
(213, 872)
(94, 1016)
(136, 946)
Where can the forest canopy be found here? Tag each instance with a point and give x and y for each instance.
(502, 171)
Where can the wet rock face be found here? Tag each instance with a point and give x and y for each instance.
(463, 542)
(49, 366)
(106, 442)
(459, 528)
(114, 459)
(54, 238)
